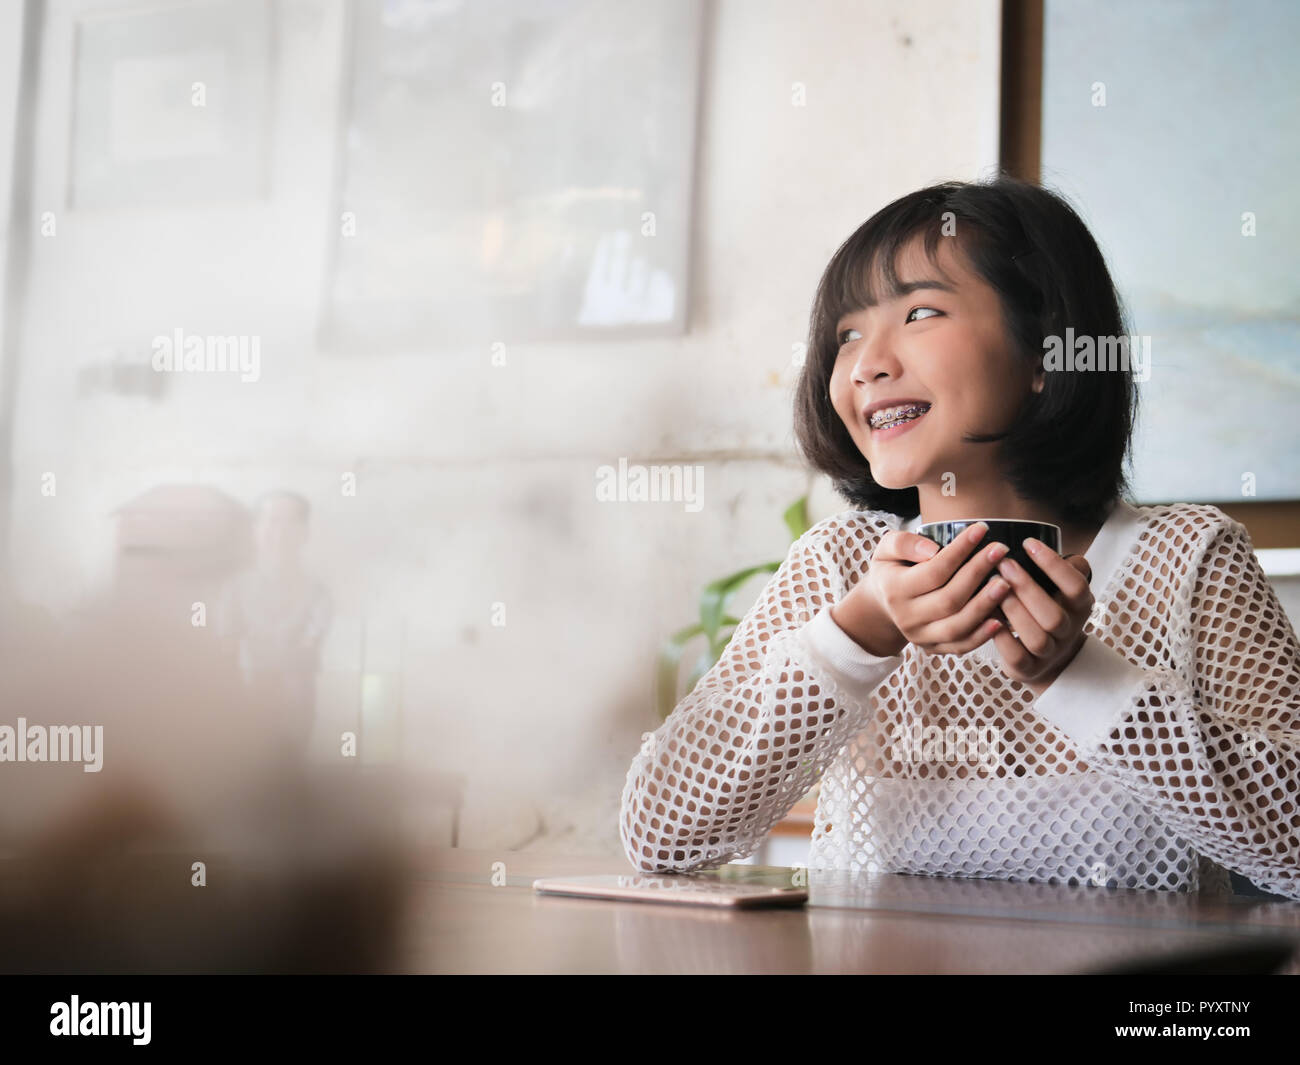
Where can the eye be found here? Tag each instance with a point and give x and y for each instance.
(843, 333)
(915, 309)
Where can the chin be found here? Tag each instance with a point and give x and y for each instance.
(892, 483)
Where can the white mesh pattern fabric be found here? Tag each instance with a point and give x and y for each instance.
(1194, 771)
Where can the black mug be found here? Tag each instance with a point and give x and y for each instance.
(1009, 531)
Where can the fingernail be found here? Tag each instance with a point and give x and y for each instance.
(977, 531)
(997, 551)
(1008, 567)
(1032, 545)
(997, 586)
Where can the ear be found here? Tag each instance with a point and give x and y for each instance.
(1040, 377)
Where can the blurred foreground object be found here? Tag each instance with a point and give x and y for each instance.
(299, 871)
(312, 884)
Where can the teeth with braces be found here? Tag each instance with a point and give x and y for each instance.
(888, 417)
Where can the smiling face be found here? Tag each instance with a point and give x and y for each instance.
(941, 340)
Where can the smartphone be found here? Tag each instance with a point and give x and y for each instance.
(758, 886)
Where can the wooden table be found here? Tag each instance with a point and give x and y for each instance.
(458, 921)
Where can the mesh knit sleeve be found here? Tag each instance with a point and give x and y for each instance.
(1213, 751)
(756, 732)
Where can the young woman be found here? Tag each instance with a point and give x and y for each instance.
(1138, 728)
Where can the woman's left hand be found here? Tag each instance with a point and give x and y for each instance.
(1048, 628)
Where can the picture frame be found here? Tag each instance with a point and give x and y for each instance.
(492, 189)
(171, 105)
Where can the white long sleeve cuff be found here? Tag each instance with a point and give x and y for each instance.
(854, 667)
(1091, 694)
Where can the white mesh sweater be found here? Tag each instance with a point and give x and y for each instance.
(1167, 751)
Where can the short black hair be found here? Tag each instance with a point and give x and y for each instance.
(1069, 447)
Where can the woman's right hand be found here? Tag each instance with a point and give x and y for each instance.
(915, 592)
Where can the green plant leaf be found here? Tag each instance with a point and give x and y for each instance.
(796, 517)
(713, 599)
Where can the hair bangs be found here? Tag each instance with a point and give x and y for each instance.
(865, 270)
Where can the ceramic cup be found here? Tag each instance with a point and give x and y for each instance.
(1009, 531)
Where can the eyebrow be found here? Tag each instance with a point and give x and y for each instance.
(906, 288)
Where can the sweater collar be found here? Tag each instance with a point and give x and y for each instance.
(1111, 546)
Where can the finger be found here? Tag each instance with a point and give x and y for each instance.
(1046, 612)
(949, 626)
(1081, 564)
(949, 559)
(1082, 602)
(961, 589)
(1031, 635)
(1018, 659)
(921, 548)
(907, 547)
(1066, 577)
(982, 634)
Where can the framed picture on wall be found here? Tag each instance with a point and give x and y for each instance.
(171, 105)
(1187, 173)
(511, 171)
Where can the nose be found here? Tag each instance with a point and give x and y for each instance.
(875, 358)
